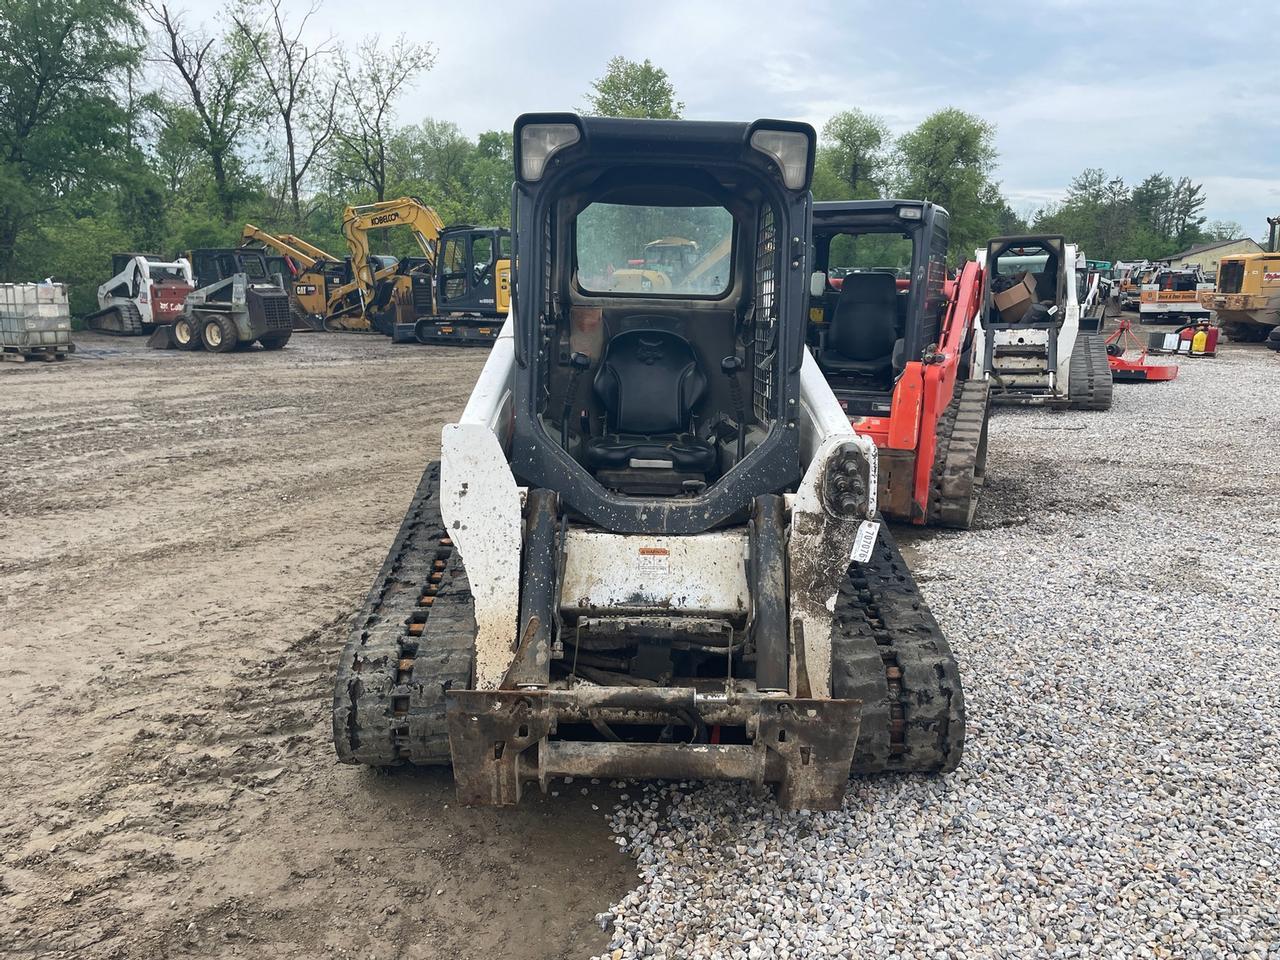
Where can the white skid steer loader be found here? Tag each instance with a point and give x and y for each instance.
(651, 547)
(143, 293)
(1029, 341)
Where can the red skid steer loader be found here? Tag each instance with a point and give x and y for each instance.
(892, 335)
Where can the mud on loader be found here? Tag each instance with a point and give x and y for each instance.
(634, 558)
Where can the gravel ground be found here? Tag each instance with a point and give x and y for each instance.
(1117, 619)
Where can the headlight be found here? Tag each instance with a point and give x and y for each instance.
(539, 141)
(789, 149)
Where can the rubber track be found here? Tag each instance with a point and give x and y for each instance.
(1091, 383)
(960, 457)
(130, 320)
(411, 642)
(298, 317)
(888, 652)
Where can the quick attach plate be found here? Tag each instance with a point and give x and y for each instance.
(501, 738)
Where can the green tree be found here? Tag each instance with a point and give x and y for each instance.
(1097, 214)
(370, 84)
(488, 177)
(853, 157)
(215, 78)
(950, 159)
(630, 89)
(63, 130)
(302, 90)
(1169, 212)
(1223, 230)
(429, 160)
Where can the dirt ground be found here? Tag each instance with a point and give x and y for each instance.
(182, 538)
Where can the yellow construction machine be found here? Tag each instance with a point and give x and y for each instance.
(454, 292)
(323, 293)
(1247, 294)
(668, 262)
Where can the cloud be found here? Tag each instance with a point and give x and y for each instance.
(1133, 88)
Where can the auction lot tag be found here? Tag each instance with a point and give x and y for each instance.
(865, 541)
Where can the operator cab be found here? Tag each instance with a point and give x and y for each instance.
(469, 257)
(1036, 263)
(658, 326)
(876, 294)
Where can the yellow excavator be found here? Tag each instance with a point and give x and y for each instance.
(456, 292)
(672, 262)
(323, 294)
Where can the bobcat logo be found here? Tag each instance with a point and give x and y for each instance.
(649, 352)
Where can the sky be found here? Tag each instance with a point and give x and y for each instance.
(1132, 87)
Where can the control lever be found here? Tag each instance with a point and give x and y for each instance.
(579, 363)
(730, 366)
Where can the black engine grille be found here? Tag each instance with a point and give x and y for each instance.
(422, 305)
(273, 309)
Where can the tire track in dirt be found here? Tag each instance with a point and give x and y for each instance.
(181, 545)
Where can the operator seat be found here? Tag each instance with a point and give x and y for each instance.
(863, 331)
(649, 381)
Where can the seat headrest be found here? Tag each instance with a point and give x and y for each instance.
(869, 288)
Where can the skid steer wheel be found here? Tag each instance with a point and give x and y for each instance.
(273, 341)
(186, 334)
(219, 335)
(1090, 384)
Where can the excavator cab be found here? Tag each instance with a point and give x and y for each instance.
(475, 270)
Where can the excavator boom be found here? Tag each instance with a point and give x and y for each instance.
(410, 212)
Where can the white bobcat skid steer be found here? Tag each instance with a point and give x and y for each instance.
(634, 558)
(1029, 342)
(143, 293)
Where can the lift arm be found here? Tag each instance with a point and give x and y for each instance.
(410, 212)
(303, 253)
(309, 249)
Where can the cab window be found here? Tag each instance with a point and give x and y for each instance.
(455, 256)
(870, 253)
(654, 250)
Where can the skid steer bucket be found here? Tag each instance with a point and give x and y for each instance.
(162, 338)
